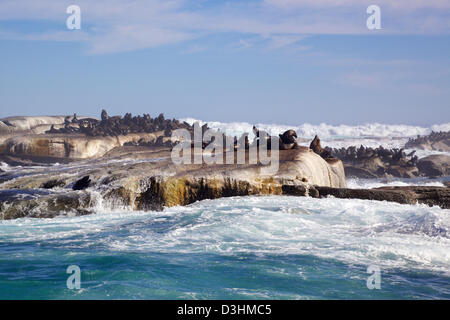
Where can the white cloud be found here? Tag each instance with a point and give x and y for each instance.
(195, 48)
(123, 25)
(398, 4)
(361, 80)
(133, 37)
(46, 36)
(278, 41)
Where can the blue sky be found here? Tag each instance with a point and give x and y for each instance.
(271, 61)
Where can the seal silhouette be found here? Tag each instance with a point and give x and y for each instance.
(317, 148)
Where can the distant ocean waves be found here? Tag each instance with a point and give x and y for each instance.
(327, 131)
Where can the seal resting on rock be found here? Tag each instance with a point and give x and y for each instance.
(259, 134)
(104, 115)
(288, 140)
(317, 148)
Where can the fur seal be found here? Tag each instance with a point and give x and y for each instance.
(288, 137)
(288, 140)
(317, 148)
(104, 115)
(258, 133)
(67, 120)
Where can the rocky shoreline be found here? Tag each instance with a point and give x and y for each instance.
(368, 163)
(151, 181)
(364, 162)
(123, 163)
(432, 196)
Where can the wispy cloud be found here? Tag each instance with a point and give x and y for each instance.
(46, 36)
(125, 25)
(134, 37)
(397, 4)
(194, 48)
(361, 80)
(278, 41)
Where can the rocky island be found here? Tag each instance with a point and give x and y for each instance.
(73, 164)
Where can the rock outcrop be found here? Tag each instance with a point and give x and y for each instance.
(439, 141)
(130, 167)
(70, 146)
(153, 181)
(432, 196)
(366, 162)
(82, 184)
(74, 137)
(435, 165)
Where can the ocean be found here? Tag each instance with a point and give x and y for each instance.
(258, 247)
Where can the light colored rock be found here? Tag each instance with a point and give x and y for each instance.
(144, 184)
(30, 124)
(313, 169)
(435, 165)
(74, 146)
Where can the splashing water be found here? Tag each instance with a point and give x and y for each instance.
(243, 247)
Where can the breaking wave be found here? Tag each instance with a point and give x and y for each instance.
(352, 231)
(324, 130)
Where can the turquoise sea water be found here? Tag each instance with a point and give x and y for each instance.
(275, 247)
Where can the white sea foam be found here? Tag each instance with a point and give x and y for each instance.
(353, 231)
(307, 130)
(5, 167)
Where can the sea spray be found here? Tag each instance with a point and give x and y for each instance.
(241, 247)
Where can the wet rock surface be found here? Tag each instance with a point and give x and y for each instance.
(432, 196)
(435, 165)
(82, 184)
(136, 178)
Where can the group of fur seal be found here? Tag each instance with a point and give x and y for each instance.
(113, 126)
(393, 156)
(439, 141)
(117, 125)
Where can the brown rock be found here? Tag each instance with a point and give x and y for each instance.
(439, 196)
(435, 165)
